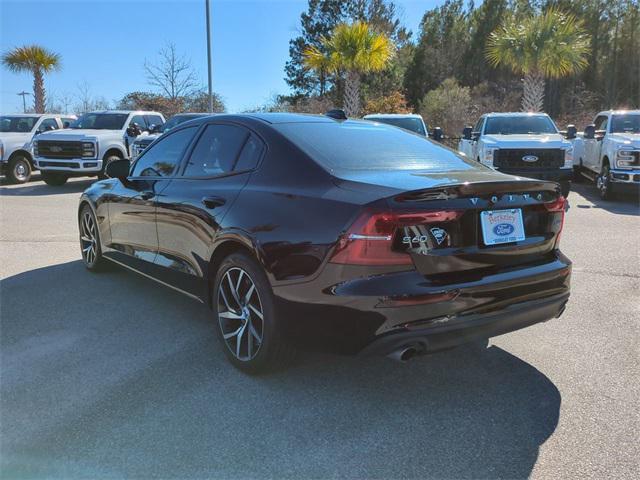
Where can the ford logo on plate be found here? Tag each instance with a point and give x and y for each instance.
(503, 229)
(529, 158)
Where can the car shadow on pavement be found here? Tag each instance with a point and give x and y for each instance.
(624, 204)
(110, 375)
(36, 189)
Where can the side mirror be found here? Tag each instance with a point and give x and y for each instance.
(571, 132)
(436, 134)
(466, 133)
(134, 130)
(118, 169)
(590, 132)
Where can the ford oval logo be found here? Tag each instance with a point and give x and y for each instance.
(55, 148)
(503, 229)
(529, 158)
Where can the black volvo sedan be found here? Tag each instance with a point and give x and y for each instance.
(353, 235)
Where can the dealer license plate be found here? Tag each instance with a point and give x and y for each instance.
(502, 226)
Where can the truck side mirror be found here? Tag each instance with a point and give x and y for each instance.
(436, 134)
(590, 131)
(571, 132)
(466, 133)
(133, 130)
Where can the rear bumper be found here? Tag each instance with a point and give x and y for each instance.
(379, 313)
(464, 329)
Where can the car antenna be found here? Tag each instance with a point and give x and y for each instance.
(336, 114)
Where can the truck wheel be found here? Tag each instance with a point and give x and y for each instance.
(55, 179)
(604, 185)
(19, 169)
(577, 173)
(111, 158)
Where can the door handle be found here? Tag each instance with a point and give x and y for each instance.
(147, 194)
(213, 202)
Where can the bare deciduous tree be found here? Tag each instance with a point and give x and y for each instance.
(172, 74)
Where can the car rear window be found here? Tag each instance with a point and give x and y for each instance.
(408, 123)
(354, 145)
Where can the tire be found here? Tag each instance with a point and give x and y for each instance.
(19, 169)
(577, 173)
(604, 185)
(54, 179)
(90, 247)
(246, 322)
(111, 158)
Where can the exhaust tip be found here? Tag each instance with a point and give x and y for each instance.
(403, 354)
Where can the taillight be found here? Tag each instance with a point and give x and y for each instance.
(369, 240)
(558, 206)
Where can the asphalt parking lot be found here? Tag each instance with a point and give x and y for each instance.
(110, 375)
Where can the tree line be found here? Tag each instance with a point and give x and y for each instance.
(448, 58)
(171, 77)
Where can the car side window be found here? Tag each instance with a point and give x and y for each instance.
(250, 154)
(154, 120)
(162, 158)
(478, 127)
(217, 151)
(601, 123)
(48, 124)
(139, 119)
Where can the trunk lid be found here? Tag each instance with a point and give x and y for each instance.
(446, 246)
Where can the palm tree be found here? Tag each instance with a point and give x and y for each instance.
(551, 45)
(353, 50)
(37, 60)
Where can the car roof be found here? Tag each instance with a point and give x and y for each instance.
(618, 112)
(127, 112)
(514, 114)
(393, 115)
(285, 117)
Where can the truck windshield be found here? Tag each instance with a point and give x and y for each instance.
(520, 125)
(101, 121)
(408, 123)
(17, 124)
(626, 123)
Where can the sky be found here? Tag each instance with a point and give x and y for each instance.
(104, 43)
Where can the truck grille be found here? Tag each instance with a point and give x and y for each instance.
(546, 158)
(58, 149)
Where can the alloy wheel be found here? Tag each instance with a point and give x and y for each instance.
(21, 170)
(602, 182)
(240, 314)
(88, 238)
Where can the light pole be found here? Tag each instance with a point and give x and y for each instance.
(24, 104)
(209, 58)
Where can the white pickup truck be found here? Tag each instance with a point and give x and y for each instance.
(16, 133)
(523, 144)
(608, 152)
(90, 144)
